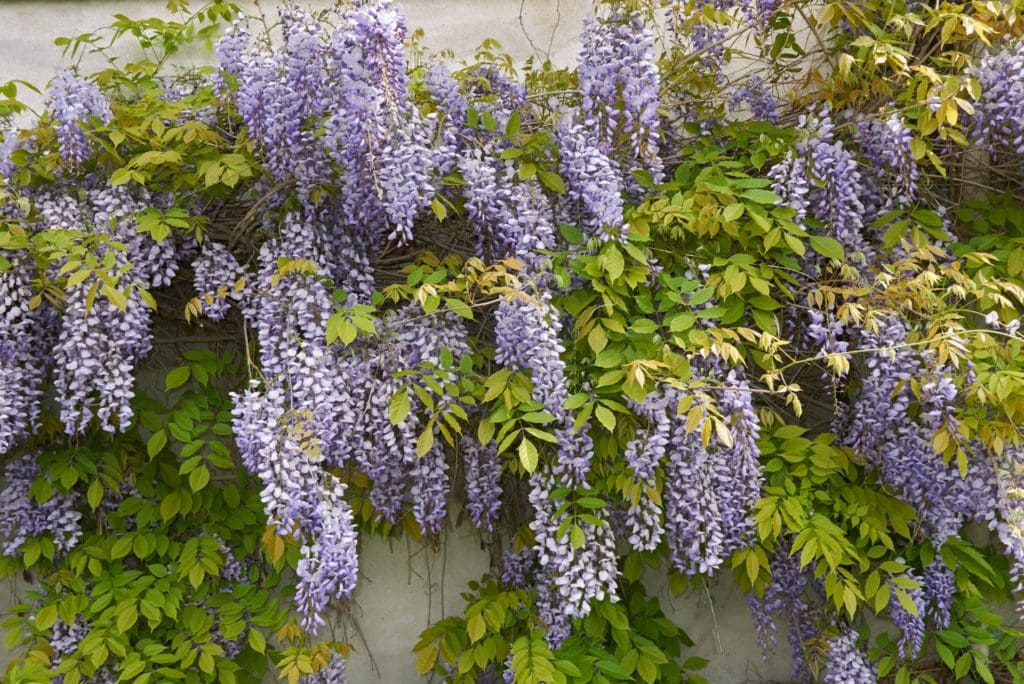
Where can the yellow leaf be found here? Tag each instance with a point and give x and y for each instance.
(425, 660)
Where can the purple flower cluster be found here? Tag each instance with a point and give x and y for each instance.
(593, 198)
(910, 624)
(352, 81)
(886, 145)
(618, 75)
(72, 101)
(999, 112)
(99, 345)
(1009, 467)
(790, 593)
(570, 579)
(517, 566)
(710, 491)
(373, 131)
(939, 586)
(22, 353)
(483, 482)
(644, 453)
(527, 333)
(329, 564)
(22, 516)
(510, 219)
(822, 179)
(882, 428)
(847, 664)
(278, 92)
(702, 38)
(304, 415)
(331, 673)
(215, 273)
(756, 95)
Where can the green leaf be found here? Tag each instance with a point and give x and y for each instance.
(199, 478)
(401, 404)
(614, 264)
(126, 616)
(95, 494)
(476, 626)
(170, 506)
(528, 455)
(257, 641)
(177, 377)
(156, 443)
(46, 616)
(459, 307)
(440, 211)
(514, 124)
(733, 211)
(761, 196)
(552, 180)
(606, 417)
(827, 247)
(425, 441)
(576, 537)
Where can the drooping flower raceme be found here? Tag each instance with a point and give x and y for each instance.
(483, 482)
(216, 273)
(911, 624)
(618, 75)
(847, 664)
(999, 113)
(822, 179)
(710, 491)
(72, 101)
(593, 198)
(374, 133)
(22, 516)
(886, 144)
(881, 427)
(332, 673)
(939, 586)
(22, 353)
(329, 565)
(755, 94)
(571, 578)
